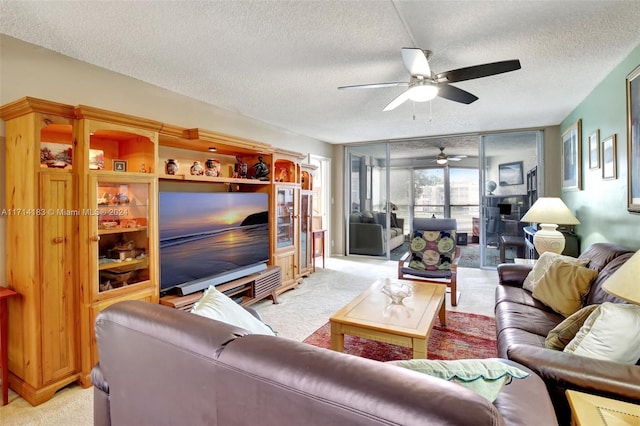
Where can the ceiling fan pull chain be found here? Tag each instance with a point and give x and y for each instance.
(414, 111)
(430, 115)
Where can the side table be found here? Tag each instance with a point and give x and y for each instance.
(317, 233)
(5, 294)
(593, 410)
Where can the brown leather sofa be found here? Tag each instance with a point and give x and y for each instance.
(523, 323)
(161, 366)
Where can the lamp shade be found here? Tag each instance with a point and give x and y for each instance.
(624, 282)
(549, 212)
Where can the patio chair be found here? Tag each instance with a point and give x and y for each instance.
(433, 254)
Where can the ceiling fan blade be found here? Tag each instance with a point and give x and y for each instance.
(478, 71)
(401, 98)
(416, 62)
(375, 85)
(454, 158)
(455, 94)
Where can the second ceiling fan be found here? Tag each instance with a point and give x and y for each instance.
(443, 158)
(424, 85)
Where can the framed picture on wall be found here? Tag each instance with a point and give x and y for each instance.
(633, 141)
(572, 157)
(510, 173)
(594, 150)
(609, 158)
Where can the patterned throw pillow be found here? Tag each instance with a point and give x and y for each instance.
(432, 250)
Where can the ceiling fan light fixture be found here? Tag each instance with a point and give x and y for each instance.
(423, 92)
(441, 161)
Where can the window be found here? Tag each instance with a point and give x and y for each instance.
(429, 192)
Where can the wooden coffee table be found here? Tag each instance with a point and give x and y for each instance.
(372, 316)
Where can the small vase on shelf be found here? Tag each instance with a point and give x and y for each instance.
(197, 169)
(212, 167)
(171, 166)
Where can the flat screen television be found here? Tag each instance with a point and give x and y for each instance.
(209, 238)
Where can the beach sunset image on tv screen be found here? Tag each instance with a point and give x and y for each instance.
(203, 235)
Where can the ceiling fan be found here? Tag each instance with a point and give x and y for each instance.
(443, 158)
(424, 85)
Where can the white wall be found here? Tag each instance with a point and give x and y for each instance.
(28, 70)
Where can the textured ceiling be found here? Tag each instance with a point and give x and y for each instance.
(281, 61)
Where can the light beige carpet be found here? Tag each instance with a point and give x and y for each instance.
(299, 313)
(71, 406)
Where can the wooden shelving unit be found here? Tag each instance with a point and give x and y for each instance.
(52, 341)
(210, 179)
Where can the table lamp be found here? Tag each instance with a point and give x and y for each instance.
(624, 282)
(549, 212)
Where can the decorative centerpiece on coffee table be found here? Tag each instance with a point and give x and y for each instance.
(396, 291)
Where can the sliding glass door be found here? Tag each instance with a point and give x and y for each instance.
(506, 158)
(368, 219)
(391, 192)
(481, 185)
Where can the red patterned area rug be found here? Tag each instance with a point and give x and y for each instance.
(465, 336)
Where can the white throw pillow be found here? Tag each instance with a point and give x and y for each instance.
(611, 333)
(542, 265)
(217, 306)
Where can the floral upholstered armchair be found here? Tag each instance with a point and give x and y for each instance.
(433, 254)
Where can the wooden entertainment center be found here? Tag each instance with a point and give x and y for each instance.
(81, 209)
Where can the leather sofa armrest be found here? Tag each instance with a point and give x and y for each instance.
(512, 274)
(569, 371)
(101, 402)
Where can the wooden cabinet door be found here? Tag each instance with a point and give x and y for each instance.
(287, 263)
(57, 290)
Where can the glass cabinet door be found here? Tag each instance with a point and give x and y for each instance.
(284, 217)
(305, 230)
(122, 219)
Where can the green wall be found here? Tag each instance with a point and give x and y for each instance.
(601, 205)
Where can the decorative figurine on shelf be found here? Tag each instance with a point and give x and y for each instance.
(262, 170)
(212, 167)
(171, 166)
(121, 198)
(197, 169)
(105, 199)
(241, 169)
(283, 175)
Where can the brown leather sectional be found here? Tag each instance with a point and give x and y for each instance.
(523, 324)
(163, 366)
